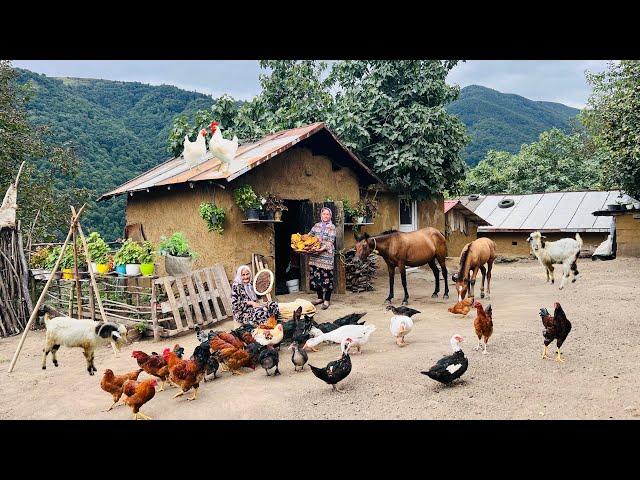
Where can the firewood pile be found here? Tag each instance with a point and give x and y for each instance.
(15, 301)
(359, 274)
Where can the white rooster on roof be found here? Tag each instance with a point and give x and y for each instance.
(194, 151)
(224, 150)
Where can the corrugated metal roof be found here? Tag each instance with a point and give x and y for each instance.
(555, 211)
(250, 155)
(456, 205)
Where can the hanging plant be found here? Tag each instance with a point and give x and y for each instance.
(213, 217)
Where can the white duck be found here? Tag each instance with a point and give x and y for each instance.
(400, 326)
(223, 150)
(194, 151)
(358, 333)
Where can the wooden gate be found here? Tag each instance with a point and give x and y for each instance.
(178, 304)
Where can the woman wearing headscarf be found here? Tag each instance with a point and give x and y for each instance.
(246, 306)
(321, 261)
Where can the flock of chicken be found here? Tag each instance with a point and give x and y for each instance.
(249, 346)
(224, 150)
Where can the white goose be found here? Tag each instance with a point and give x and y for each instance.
(358, 333)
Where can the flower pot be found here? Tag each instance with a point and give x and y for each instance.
(269, 216)
(103, 268)
(277, 216)
(176, 266)
(615, 207)
(253, 214)
(132, 269)
(367, 220)
(629, 206)
(121, 269)
(360, 220)
(147, 269)
(67, 273)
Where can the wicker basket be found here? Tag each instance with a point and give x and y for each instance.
(176, 266)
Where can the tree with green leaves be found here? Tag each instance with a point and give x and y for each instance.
(557, 161)
(392, 115)
(615, 121)
(49, 170)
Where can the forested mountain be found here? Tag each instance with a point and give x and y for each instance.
(118, 129)
(503, 121)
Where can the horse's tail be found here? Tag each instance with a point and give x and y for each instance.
(463, 259)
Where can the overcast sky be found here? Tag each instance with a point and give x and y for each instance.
(551, 80)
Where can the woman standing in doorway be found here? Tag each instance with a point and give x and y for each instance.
(321, 261)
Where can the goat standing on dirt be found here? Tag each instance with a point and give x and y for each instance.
(564, 251)
(80, 333)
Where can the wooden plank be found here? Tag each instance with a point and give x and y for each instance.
(304, 273)
(222, 284)
(185, 302)
(340, 277)
(214, 294)
(195, 301)
(166, 306)
(203, 294)
(172, 300)
(154, 313)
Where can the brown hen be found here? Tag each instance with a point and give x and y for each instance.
(113, 384)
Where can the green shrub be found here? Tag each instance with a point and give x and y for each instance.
(213, 216)
(148, 254)
(98, 249)
(129, 253)
(246, 198)
(176, 246)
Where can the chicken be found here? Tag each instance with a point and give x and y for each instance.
(139, 393)
(194, 151)
(337, 370)
(555, 328)
(400, 326)
(231, 352)
(212, 362)
(483, 324)
(187, 374)
(154, 364)
(351, 319)
(450, 367)
(269, 358)
(463, 307)
(112, 383)
(224, 150)
(269, 336)
(359, 335)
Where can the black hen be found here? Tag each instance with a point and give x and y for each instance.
(335, 371)
(450, 367)
(555, 328)
(402, 310)
(351, 319)
(269, 358)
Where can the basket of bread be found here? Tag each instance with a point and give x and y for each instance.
(304, 243)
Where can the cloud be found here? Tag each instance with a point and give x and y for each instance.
(561, 81)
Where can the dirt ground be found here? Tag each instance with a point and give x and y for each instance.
(600, 379)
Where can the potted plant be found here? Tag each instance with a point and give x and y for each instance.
(119, 262)
(178, 254)
(213, 216)
(66, 263)
(99, 252)
(147, 259)
(248, 201)
(349, 212)
(360, 211)
(137, 332)
(130, 254)
(371, 208)
(274, 205)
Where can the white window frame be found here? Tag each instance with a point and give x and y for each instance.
(414, 215)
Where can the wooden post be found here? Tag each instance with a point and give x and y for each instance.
(75, 270)
(36, 308)
(154, 313)
(92, 303)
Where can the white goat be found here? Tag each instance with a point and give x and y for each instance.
(87, 334)
(564, 251)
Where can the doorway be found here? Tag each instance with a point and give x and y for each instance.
(287, 262)
(408, 213)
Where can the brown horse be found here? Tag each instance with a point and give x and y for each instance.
(473, 257)
(407, 249)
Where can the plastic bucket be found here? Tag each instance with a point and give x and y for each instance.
(293, 289)
(293, 283)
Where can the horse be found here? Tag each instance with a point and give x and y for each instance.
(474, 256)
(407, 249)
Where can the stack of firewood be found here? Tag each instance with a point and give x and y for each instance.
(359, 274)
(15, 301)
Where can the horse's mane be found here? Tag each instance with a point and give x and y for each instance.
(463, 259)
(386, 232)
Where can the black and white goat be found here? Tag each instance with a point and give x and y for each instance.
(87, 334)
(564, 252)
